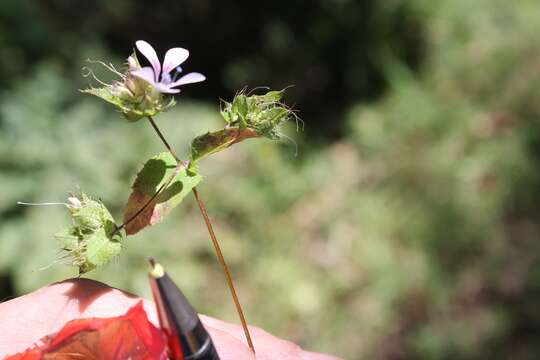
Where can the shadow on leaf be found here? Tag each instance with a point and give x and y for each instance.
(157, 172)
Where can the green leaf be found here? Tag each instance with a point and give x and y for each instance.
(213, 142)
(99, 249)
(67, 239)
(271, 96)
(133, 108)
(159, 174)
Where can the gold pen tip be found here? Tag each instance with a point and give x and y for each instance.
(157, 270)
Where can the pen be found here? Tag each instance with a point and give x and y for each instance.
(186, 337)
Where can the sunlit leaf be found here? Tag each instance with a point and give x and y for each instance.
(213, 142)
(162, 175)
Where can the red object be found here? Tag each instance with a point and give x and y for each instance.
(173, 340)
(129, 336)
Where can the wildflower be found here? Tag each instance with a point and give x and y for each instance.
(141, 91)
(160, 76)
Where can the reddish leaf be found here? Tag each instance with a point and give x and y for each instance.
(161, 173)
(216, 141)
(130, 336)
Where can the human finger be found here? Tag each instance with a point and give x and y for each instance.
(267, 346)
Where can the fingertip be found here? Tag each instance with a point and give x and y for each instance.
(267, 346)
(229, 347)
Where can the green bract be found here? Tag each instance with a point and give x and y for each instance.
(263, 113)
(247, 116)
(134, 97)
(93, 239)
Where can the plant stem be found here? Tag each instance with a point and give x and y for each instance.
(215, 242)
(224, 267)
(152, 122)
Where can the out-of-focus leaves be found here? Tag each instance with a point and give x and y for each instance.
(162, 175)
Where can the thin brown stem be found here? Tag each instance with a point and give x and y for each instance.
(154, 125)
(224, 267)
(215, 242)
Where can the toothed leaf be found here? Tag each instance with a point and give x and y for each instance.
(160, 171)
(99, 248)
(213, 142)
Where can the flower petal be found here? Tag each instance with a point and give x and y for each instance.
(173, 58)
(166, 89)
(146, 73)
(190, 78)
(148, 51)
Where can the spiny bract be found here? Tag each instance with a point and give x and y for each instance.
(93, 240)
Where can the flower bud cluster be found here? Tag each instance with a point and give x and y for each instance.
(265, 114)
(93, 239)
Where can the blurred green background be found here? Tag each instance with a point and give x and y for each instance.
(406, 228)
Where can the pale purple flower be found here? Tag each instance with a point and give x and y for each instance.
(160, 76)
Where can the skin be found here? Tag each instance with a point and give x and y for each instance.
(26, 319)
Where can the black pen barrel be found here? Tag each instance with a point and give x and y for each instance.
(207, 350)
(186, 333)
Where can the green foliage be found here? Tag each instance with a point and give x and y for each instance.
(265, 114)
(161, 174)
(247, 116)
(93, 240)
(414, 236)
(133, 108)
